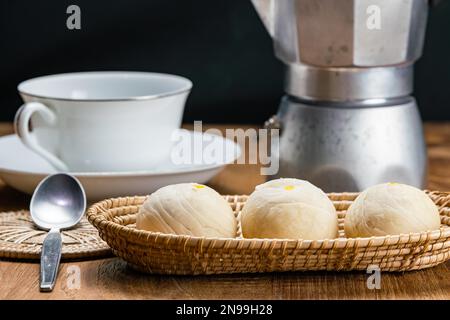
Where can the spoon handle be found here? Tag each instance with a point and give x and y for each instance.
(50, 257)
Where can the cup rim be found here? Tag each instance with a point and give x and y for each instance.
(187, 86)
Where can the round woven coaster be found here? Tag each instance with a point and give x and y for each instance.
(21, 239)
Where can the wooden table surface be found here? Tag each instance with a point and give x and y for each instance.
(112, 279)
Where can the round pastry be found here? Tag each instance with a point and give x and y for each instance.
(187, 209)
(289, 209)
(391, 208)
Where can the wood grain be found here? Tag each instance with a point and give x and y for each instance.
(113, 279)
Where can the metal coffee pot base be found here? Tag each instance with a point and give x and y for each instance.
(350, 147)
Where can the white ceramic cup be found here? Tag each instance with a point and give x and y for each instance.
(101, 121)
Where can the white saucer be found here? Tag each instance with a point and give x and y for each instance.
(22, 169)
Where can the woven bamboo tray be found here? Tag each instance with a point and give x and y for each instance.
(184, 255)
(21, 239)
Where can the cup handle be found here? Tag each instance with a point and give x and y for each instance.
(21, 126)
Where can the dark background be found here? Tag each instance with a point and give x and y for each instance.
(221, 45)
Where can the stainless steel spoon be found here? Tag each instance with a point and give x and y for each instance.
(58, 203)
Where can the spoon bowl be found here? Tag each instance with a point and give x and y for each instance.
(59, 202)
